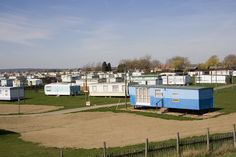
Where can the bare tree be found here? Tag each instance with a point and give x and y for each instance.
(229, 61)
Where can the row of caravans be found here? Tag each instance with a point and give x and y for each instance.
(20, 83)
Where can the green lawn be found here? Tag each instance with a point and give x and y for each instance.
(38, 98)
(232, 154)
(225, 100)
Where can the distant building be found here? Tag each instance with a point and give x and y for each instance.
(61, 89)
(7, 82)
(190, 98)
(11, 93)
(175, 80)
(221, 79)
(34, 82)
(107, 89)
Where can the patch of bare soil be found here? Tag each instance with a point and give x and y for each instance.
(6, 109)
(91, 129)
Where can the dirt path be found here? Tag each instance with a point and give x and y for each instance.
(6, 109)
(90, 129)
(65, 111)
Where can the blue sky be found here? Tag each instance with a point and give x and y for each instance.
(72, 33)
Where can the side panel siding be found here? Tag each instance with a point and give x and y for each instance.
(132, 94)
(192, 99)
(206, 98)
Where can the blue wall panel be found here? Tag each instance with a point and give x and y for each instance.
(206, 103)
(132, 100)
(192, 99)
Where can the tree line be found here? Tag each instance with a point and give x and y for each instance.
(176, 63)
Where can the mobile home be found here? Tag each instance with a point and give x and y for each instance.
(222, 79)
(190, 98)
(176, 80)
(107, 89)
(145, 79)
(61, 89)
(7, 82)
(34, 82)
(11, 93)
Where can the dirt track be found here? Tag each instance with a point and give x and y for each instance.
(90, 129)
(14, 109)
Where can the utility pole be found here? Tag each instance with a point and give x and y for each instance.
(86, 88)
(125, 87)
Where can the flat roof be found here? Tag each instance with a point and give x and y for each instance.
(172, 87)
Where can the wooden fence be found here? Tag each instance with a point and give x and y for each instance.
(177, 148)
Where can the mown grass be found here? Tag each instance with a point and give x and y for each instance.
(225, 100)
(38, 98)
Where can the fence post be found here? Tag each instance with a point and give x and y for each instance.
(234, 134)
(146, 148)
(104, 149)
(61, 153)
(178, 145)
(208, 140)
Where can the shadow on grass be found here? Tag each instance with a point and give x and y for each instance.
(6, 132)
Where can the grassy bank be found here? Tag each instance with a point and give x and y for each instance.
(38, 98)
(225, 100)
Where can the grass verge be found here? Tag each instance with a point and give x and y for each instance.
(33, 97)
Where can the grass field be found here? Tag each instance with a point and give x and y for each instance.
(225, 100)
(38, 98)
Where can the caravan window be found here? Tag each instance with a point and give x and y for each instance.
(94, 88)
(175, 97)
(0, 91)
(48, 88)
(115, 88)
(142, 95)
(158, 93)
(105, 88)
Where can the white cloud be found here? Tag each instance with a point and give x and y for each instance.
(20, 29)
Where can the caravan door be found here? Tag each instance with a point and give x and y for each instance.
(159, 97)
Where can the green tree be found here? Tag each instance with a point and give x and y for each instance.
(104, 67)
(121, 68)
(109, 67)
(213, 61)
(229, 61)
(178, 62)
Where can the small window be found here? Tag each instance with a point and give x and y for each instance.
(175, 100)
(48, 89)
(158, 93)
(105, 88)
(115, 88)
(174, 94)
(0, 91)
(94, 88)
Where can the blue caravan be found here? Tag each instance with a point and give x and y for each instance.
(190, 98)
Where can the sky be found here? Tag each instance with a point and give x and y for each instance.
(73, 33)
